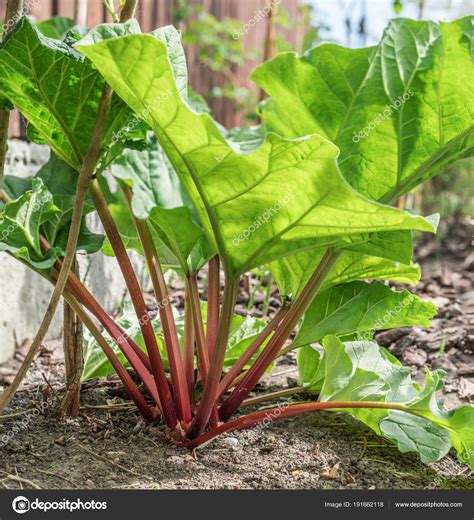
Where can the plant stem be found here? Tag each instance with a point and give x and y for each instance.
(82, 294)
(188, 345)
(198, 325)
(133, 353)
(128, 10)
(209, 396)
(239, 365)
(85, 176)
(279, 413)
(73, 358)
(213, 294)
(166, 399)
(195, 303)
(4, 121)
(272, 396)
(297, 309)
(127, 381)
(177, 372)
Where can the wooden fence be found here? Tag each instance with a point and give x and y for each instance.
(156, 13)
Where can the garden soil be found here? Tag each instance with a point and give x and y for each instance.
(108, 446)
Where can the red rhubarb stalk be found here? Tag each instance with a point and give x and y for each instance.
(299, 306)
(239, 365)
(136, 357)
(209, 397)
(283, 412)
(213, 294)
(124, 376)
(188, 346)
(166, 399)
(177, 372)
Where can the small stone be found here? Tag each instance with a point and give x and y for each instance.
(447, 279)
(468, 263)
(231, 442)
(466, 369)
(176, 460)
(463, 285)
(332, 473)
(61, 440)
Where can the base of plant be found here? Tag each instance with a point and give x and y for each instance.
(267, 416)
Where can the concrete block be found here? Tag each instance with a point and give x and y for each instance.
(24, 295)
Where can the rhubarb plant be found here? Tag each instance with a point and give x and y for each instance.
(309, 195)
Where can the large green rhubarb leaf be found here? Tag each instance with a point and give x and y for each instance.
(399, 112)
(58, 91)
(158, 198)
(411, 418)
(20, 222)
(361, 308)
(293, 272)
(42, 206)
(54, 87)
(282, 194)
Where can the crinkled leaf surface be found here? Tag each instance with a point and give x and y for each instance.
(361, 371)
(458, 422)
(58, 91)
(54, 87)
(284, 192)
(399, 112)
(43, 205)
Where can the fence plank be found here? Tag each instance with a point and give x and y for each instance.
(95, 13)
(66, 8)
